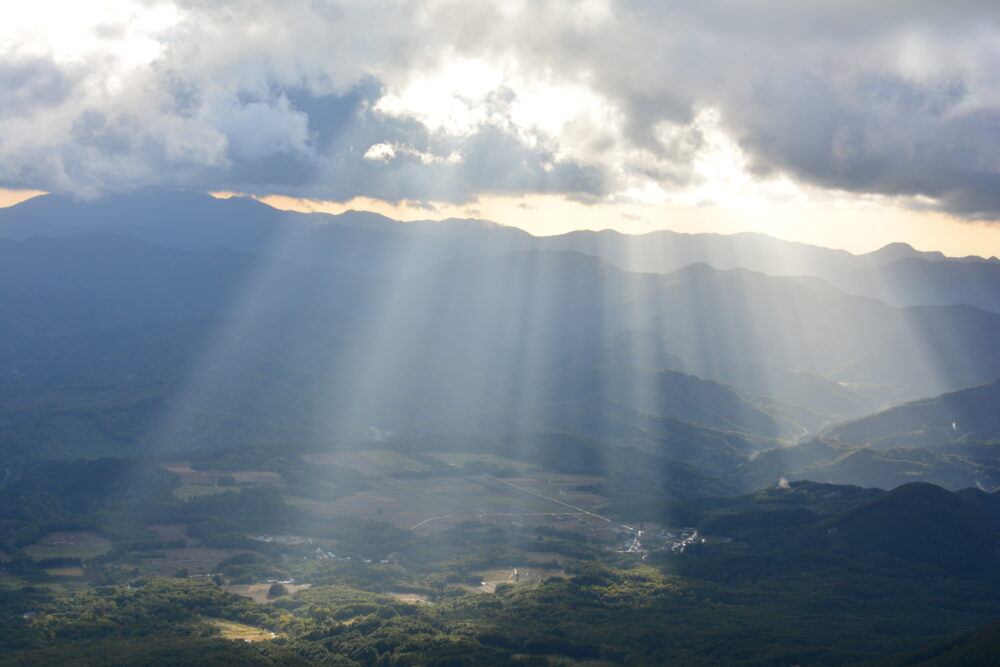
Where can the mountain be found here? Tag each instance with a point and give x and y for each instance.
(953, 531)
(897, 274)
(966, 415)
(978, 647)
(354, 240)
(215, 346)
(958, 531)
(952, 440)
(113, 344)
(129, 280)
(774, 508)
(719, 320)
(916, 280)
(663, 251)
(225, 402)
(505, 334)
(954, 467)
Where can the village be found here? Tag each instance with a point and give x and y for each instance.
(641, 542)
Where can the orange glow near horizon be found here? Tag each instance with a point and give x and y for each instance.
(858, 227)
(14, 197)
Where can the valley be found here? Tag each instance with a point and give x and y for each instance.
(564, 333)
(478, 446)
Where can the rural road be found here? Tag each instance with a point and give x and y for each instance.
(558, 502)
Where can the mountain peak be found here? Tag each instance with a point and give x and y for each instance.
(893, 251)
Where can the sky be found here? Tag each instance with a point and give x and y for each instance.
(844, 123)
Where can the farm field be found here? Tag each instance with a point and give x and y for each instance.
(431, 504)
(369, 462)
(565, 488)
(188, 491)
(258, 592)
(546, 557)
(412, 598)
(187, 475)
(73, 571)
(196, 560)
(68, 544)
(206, 482)
(258, 477)
(247, 633)
(517, 576)
(459, 459)
(171, 533)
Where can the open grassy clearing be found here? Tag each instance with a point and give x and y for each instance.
(238, 631)
(546, 557)
(459, 459)
(63, 585)
(68, 544)
(258, 477)
(65, 572)
(188, 491)
(369, 462)
(497, 500)
(569, 489)
(258, 592)
(557, 660)
(195, 560)
(412, 598)
(429, 505)
(171, 533)
(517, 576)
(299, 501)
(406, 503)
(10, 582)
(187, 475)
(205, 482)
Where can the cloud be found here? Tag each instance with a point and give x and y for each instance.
(382, 151)
(385, 151)
(447, 100)
(32, 82)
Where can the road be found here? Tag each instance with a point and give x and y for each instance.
(579, 510)
(433, 518)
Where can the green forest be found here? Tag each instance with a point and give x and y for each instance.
(803, 574)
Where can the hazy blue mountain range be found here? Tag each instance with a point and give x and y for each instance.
(957, 531)
(952, 440)
(896, 274)
(182, 378)
(169, 321)
(972, 648)
(963, 416)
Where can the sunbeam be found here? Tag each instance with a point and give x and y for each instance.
(531, 334)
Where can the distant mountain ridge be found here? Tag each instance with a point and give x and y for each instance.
(897, 273)
(967, 414)
(959, 531)
(363, 327)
